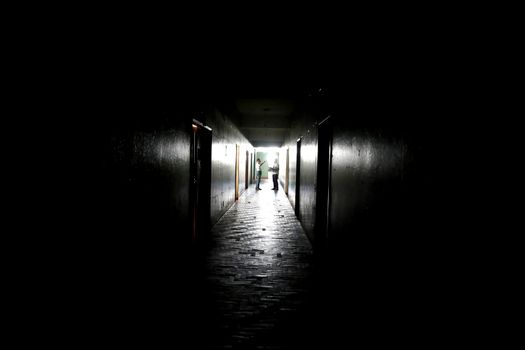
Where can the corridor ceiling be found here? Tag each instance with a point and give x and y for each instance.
(264, 121)
(264, 115)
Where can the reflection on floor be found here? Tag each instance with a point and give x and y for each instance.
(259, 272)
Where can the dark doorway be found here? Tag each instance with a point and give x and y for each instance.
(324, 170)
(246, 173)
(298, 180)
(251, 168)
(200, 187)
(237, 151)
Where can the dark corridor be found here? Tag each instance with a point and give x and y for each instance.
(181, 249)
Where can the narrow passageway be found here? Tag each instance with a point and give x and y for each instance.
(259, 272)
(171, 252)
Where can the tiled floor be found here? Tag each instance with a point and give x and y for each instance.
(258, 286)
(259, 273)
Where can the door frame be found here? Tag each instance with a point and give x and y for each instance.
(298, 179)
(200, 179)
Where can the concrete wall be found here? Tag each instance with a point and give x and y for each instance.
(292, 170)
(367, 183)
(132, 238)
(141, 183)
(225, 137)
(303, 127)
(283, 163)
(390, 246)
(383, 165)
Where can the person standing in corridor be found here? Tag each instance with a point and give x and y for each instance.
(275, 174)
(258, 173)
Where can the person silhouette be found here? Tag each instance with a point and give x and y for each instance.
(275, 174)
(258, 173)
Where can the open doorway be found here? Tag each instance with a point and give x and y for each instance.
(200, 178)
